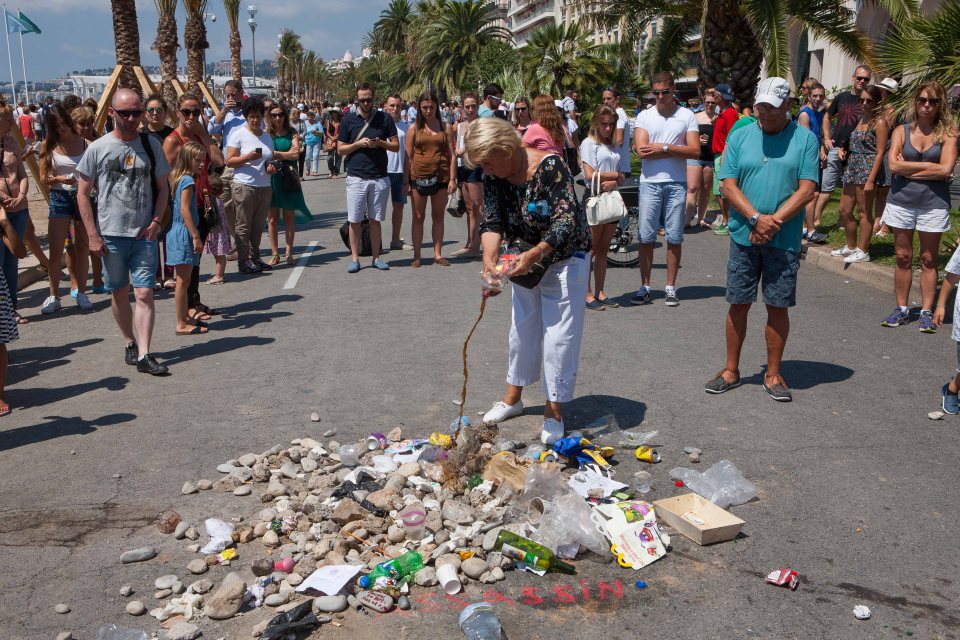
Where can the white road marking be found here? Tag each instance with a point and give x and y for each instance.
(301, 264)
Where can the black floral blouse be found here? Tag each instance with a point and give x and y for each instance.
(505, 210)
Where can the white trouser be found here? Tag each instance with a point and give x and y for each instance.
(547, 326)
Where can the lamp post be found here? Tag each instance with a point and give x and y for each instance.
(643, 45)
(252, 10)
(212, 18)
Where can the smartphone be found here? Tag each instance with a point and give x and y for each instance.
(258, 151)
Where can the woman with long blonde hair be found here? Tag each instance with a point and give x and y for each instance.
(922, 156)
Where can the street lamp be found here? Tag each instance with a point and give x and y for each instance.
(212, 18)
(643, 45)
(252, 10)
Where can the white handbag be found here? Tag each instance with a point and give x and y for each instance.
(603, 207)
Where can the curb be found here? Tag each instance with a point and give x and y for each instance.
(875, 275)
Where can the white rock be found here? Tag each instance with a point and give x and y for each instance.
(197, 566)
(243, 490)
(277, 599)
(136, 608)
(126, 591)
(183, 630)
(188, 488)
(294, 579)
(330, 604)
(936, 415)
(497, 574)
(409, 469)
(314, 417)
(181, 531)
(490, 538)
(426, 577)
(474, 567)
(66, 635)
(270, 538)
(62, 608)
(309, 465)
(248, 459)
(165, 582)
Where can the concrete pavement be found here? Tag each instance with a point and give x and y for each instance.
(854, 480)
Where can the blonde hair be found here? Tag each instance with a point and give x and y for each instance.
(547, 115)
(487, 138)
(943, 125)
(5, 109)
(82, 115)
(183, 165)
(600, 112)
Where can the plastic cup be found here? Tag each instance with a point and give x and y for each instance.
(537, 508)
(447, 576)
(413, 522)
(642, 482)
(349, 455)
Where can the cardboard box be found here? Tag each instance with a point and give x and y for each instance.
(698, 519)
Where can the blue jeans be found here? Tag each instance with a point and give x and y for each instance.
(313, 158)
(8, 261)
(776, 268)
(129, 259)
(662, 204)
(397, 194)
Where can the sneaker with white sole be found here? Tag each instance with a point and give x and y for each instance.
(83, 301)
(842, 252)
(553, 430)
(501, 411)
(859, 255)
(50, 305)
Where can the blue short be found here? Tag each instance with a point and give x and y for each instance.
(129, 259)
(63, 205)
(466, 174)
(397, 193)
(662, 204)
(700, 163)
(776, 268)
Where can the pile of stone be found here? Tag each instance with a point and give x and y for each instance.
(313, 511)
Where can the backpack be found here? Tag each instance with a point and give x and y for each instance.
(366, 249)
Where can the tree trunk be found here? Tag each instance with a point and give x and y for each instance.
(166, 45)
(126, 36)
(236, 70)
(730, 50)
(195, 41)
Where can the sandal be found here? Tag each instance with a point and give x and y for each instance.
(207, 310)
(443, 262)
(289, 258)
(415, 264)
(169, 284)
(196, 331)
(198, 315)
(720, 385)
(5, 409)
(20, 319)
(274, 260)
(215, 280)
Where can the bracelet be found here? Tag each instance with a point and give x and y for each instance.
(537, 247)
(941, 306)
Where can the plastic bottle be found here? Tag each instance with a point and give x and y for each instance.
(531, 553)
(540, 209)
(349, 455)
(479, 622)
(405, 565)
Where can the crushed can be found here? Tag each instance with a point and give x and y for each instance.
(784, 578)
(442, 440)
(647, 454)
(376, 441)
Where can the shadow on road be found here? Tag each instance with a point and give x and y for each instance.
(805, 374)
(260, 304)
(31, 361)
(584, 413)
(40, 396)
(57, 427)
(215, 346)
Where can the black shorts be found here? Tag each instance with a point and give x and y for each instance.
(430, 190)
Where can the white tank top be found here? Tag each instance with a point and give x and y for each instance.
(64, 165)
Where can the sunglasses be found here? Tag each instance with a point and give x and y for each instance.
(186, 113)
(710, 104)
(662, 92)
(365, 101)
(129, 113)
(277, 115)
(521, 109)
(469, 106)
(154, 109)
(867, 100)
(862, 78)
(930, 101)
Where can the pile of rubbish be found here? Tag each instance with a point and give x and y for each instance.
(360, 525)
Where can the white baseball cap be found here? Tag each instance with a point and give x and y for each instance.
(772, 91)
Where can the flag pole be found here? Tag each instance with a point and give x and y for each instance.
(23, 61)
(13, 82)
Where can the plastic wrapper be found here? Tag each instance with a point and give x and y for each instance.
(722, 484)
(115, 632)
(543, 481)
(566, 525)
(299, 618)
(221, 536)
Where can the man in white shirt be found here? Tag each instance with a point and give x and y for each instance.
(229, 118)
(664, 138)
(395, 162)
(611, 98)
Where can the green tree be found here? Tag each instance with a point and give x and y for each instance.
(495, 60)
(389, 34)
(288, 57)
(737, 36)
(559, 58)
(195, 41)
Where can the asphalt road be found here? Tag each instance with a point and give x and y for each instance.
(855, 482)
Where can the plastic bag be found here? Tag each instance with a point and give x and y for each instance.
(543, 481)
(297, 619)
(632, 439)
(566, 525)
(221, 536)
(114, 632)
(722, 484)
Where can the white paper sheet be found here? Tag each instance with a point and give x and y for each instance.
(331, 579)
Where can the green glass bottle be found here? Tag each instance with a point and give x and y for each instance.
(531, 553)
(405, 565)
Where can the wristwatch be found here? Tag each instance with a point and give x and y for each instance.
(665, 148)
(752, 221)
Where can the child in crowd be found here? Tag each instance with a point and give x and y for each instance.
(218, 241)
(183, 239)
(950, 276)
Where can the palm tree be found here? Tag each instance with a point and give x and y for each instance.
(232, 9)
(558, 58)
(166, 45)
(195, 41)
(126, 37)
(287, 56)
(389, 34)
(922, 48)
(737, 36)
(455, 33)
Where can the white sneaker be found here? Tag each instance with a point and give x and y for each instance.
(552, 431)
(501, 411)
(83, 301)
(50, 305)
(857, 256)
(842, 252)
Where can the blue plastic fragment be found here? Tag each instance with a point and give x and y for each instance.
(641, 584)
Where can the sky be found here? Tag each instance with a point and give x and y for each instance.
(78, 34)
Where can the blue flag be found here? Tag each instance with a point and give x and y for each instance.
(14, 25)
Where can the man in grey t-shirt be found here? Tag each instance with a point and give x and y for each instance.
(129, 216)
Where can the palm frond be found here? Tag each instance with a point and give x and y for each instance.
(769, 20)
(830, 20)
(667, 50)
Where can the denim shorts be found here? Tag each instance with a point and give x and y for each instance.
(129, 259)
(662, 204)
(466, 174)
(397, 194)
(699, 163)
(776, 268)
(63, 205)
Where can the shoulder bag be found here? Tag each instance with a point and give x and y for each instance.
(570, 155)
(603, 207)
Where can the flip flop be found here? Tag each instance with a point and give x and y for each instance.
(196, 331)
(169, 284)
(20, 319)
(207, 310)
(443, 262)
(199, 315)
(215, 281)
(5, 409)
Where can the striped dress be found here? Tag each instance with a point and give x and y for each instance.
(8, 323)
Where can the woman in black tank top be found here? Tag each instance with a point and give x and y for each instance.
(700, 171)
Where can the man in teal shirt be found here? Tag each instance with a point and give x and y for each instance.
(769, 174)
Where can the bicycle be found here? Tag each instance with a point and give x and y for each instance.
(624, 250)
